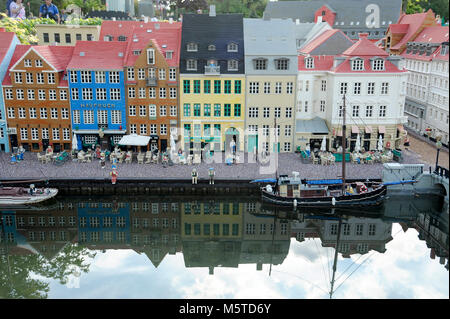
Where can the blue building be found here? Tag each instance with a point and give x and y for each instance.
(97, 93)
(8, 42)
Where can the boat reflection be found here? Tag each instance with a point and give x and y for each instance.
(209, 232)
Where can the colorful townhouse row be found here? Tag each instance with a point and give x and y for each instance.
(209, 82)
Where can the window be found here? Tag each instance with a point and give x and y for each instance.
(133, 129)
(172, 74)
(306, 86)
(18, 77)
(55, 133)
(142, 93)
(277, 112)
(383, 110)
(357, 88)
(309, 63)
(33, 113)
(57, 38)
(287, 147)
(359, 229)
(20, 94)
(85, 76)
(227, 87)
(153, 129)
(217, 86)
(289, 112)
(38, 63)
(100, 94)
(306, 106)
(232, 47)
(23, 133)
(78, 36)
(114, 77)
(116, 117)
(187, 110)
(233, 65)
(162, 93)
(41, 95)
(130, 73)
(152, 111)
(324, 86)
(322, 106)
(253, 112)
(227, 110)
(86, 93)
(237, 86)
(385, 88)
(355, 110)
(131, 92)
(100, 77)
(192, 47)
(43, 113)
(88, 117)
(9, 94)
(343, 88)
(266, 87)
(237, 110)
(102, 117)
(163, 129)
(282, 64)
(278, 87)
(73, 77)
(371, 88)
(372, 229)
(172, 93)
(150, 56)
(162, 110)
(22, 113)
(378, 65)
(66, 134)
(65, 113)
(191, 65)
(76, 117)
(54, 113)
(186, 86)
(68, 38)
(27, 63)
(52, 95)
(62, 95)
(143, 129)
(29, 77)
(132, 110)
(207, 110)
(287, 130)
(196, 86)
(358, 65)
(265, 130)
(173, 110)
(217, 110)
(369, 110)
(162, 74)
(197, 110)
(289, 87)
(152, 93)
(115, 94)
(254, 87)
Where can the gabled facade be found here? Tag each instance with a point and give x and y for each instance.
(271, 72)
(151, 70)
(212, 82)
(65, 34)
(8, 42)
(374, 85)
(36, 98)
(97, 93)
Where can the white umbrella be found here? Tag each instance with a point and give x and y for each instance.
(172, 147)
(74, 142)
(380, 143)
(323, 147)
(358, 144)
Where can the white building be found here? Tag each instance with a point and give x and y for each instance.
(428, 83)
(374, 85)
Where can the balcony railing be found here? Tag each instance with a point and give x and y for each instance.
(212, 70)
(152, 82)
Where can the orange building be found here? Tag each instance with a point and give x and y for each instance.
(151, 82)
(37, 104)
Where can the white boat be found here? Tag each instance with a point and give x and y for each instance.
(23, 196)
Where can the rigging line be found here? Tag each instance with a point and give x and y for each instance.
(359, 117)
(353, 262)
(368, 257)
(299, 277)
(323, 268)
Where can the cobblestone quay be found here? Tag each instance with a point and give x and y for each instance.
(72, 177)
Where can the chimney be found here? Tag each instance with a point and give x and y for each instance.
(319, 19)
(212, 10)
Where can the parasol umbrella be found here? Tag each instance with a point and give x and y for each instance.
(358, 144)
(380, 144)
(74, 142)
(323, 146)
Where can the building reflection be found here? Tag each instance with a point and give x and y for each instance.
(213, 232)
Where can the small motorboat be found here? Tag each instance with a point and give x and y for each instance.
(25, 196)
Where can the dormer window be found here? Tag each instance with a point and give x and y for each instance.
(150, 56)
(260, 64)
(122, 38)
(191, 65)
(444, 50)
(169, 55)
(358, 65)
(232, 47)
(108, 38)
(233, 65)
(378, 65)
(192, 47)
(136, 52)
(282, 64)
(211, 47)
(309, 63)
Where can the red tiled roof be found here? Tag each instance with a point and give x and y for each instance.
(399, 28)
(318, 41)
(98, 55)
(5, 43)
(345, 67)
(437, 55)
(321, 63)
(164, 40)
(126, 28)
(364, 47)
(414, 22)
(434, 34)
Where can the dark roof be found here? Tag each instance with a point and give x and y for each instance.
(220, 31)
(352, 13)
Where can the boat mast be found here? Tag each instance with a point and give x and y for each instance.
(343, 146)
(335, 256)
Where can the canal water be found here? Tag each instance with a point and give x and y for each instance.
(221, 247)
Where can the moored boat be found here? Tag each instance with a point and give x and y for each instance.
(25, 196)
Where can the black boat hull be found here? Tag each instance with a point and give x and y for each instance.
(372, 198)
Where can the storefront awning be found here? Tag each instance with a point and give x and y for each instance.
(368, 129)
(316, 125)
(355, 129)
(381, 129)
(134, 140)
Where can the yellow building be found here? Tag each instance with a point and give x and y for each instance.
(65, 34)
(212, 112)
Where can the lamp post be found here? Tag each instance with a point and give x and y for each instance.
(438, 146)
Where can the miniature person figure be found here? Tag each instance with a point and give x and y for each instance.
(406, 143)
(97, 151)
(211, 176)
(31, 189)
(114, 175)
(49, 150)
(13, 159)
(194, 176)
(102, 159)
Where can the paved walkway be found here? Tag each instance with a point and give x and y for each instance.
(30, 168)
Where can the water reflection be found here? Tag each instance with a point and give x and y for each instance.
(59, 240)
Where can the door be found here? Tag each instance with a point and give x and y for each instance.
(13, 140)
(290, 191)
(45, 143)
(252, 142)
(163, 145)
